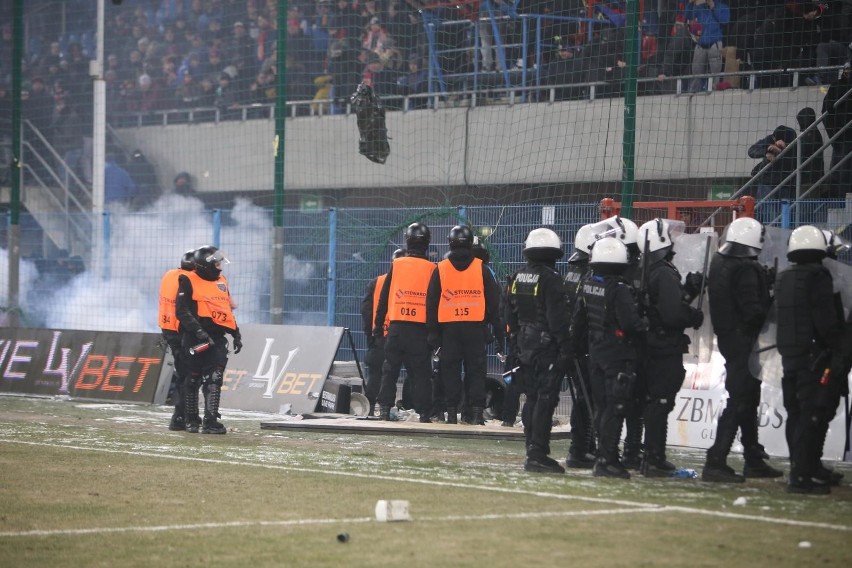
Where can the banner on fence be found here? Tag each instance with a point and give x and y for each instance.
(281, 368)
(702, 398)
(85, 364)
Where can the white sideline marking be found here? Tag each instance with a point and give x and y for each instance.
(305, 522)
(634, 506)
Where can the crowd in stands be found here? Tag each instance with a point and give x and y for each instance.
(189, 54)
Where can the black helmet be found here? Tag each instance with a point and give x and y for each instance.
(206, 260)
(417, 237)
(398, 253)
(460, 237)
(187, 261)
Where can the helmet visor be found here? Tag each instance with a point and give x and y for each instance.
(216, 258)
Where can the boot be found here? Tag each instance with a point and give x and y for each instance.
(579, 461)
(210, 424)
(615, 469)
(717, 470)
(191, 418)
(539, 462)
(476, 416)
(177, 423)
(756, 467)
(452, 415)
(384, 413)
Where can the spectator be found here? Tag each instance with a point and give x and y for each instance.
(835, 32)
(564, 69)
(345, 68)
(118, 185)
(226, 98)
(767, 149)
(188, 93)
(346, 21)
(144, 177)
(787, 39)
(414, 82)
(323, 93)
(376, 36)
(839, 115)
(383, 81)
(39, 106)
(710, 15)
(400, 24)
(183, 185)
(677, 58)
(812, 142)
(603, 60)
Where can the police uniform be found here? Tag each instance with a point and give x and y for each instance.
(739, 298)
(538, 324)
(582, 449)
(462, 300)
(204, 309)
(669, 314)
(809, 337)
(403, 302)
(607, 310)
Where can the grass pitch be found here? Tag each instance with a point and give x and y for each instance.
(103, 485)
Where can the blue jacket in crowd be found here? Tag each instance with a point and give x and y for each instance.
(711, 20)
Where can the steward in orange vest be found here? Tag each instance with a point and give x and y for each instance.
(403, 302)
(204, 308)
(463, 298)
(169, 326)
(375, 356)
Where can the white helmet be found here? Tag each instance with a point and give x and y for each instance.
(621, 228)
(743, 238)
(543, 243)
(609, 250)
(583, 241)
(806, 244)
(836, 244)
(657, 235)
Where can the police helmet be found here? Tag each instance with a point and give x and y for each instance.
(186, 261)
(836, 244)
(543, 244)
(398, 253)
(743, 238)
(461, 237)
(417, 237)
(208, 260)
(479, 250)
(806, 244)
(609, 256)
(620, 228)
(583, 241)
(657, 234)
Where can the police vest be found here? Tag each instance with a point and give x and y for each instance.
(213, 300)
(407, 292)
(167, 318)
(525, 295)
(574, 278)
(792, 292)
(377, 292)
(598, 293)
(462, 294)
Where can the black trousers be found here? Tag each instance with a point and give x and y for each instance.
(406, 345)
(463, 344)
(612, 398)
(664, 374)
(541, 385)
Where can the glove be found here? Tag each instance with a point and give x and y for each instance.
(202, 336)
(238, 344)
(692, 285)
(697, 318)
(433, 340)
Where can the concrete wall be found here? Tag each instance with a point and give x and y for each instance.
(702, 136)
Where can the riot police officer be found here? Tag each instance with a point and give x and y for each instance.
(403, 302)
(205, 310)
(462, 300)
(581, 452)
(669, 314)
(537, 321)
(809, 335)
(607, 311)
(738, 292)
(375, 356)
(170, 327)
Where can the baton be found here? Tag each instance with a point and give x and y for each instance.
(583, 388)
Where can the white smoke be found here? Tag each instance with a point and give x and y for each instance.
(141, 247)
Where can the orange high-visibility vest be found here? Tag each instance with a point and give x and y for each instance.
(407, 292)
(377, 292)
(213, 300)
(167, 319)
(462, 293)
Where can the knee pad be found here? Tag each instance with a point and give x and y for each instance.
(193, 380)
(215, 377)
